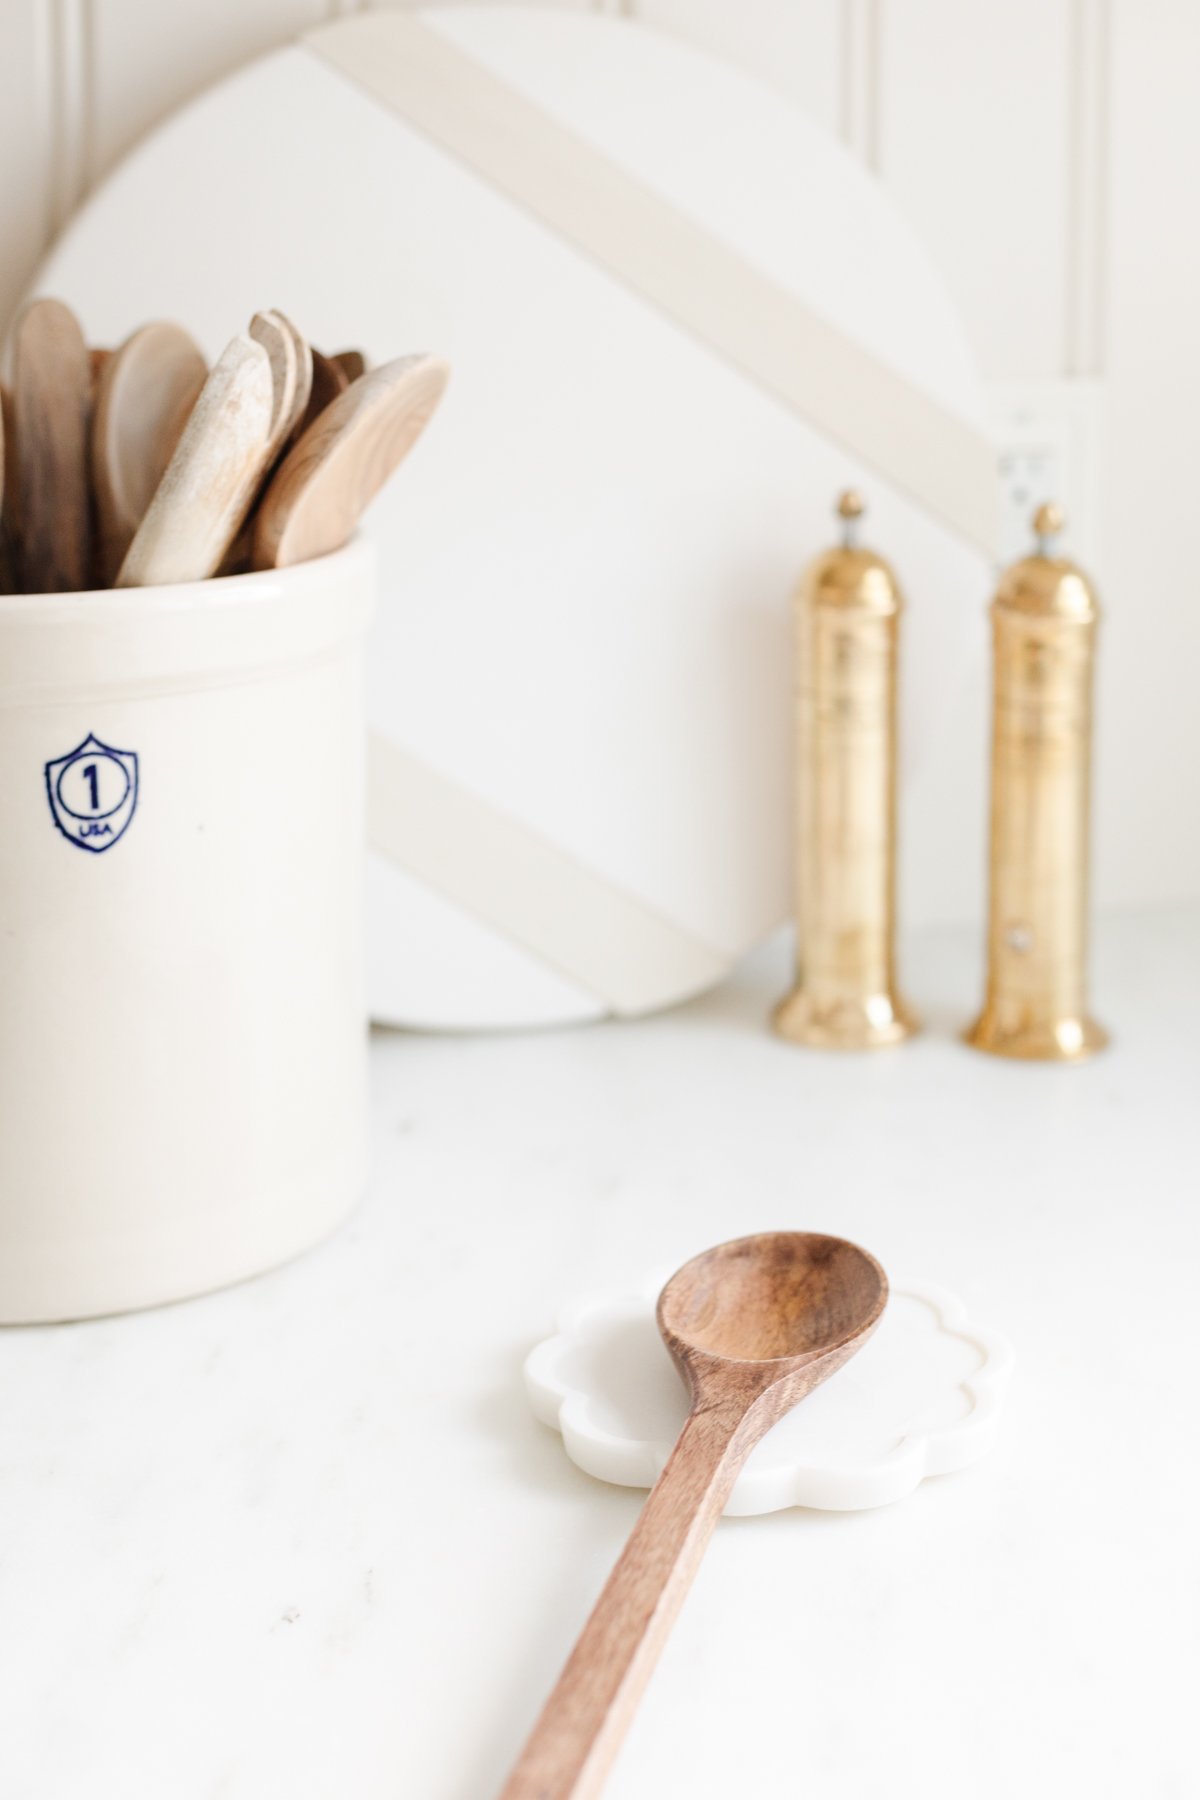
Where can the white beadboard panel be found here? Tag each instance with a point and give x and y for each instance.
(149, 57)
(342, 7)
(67, 25)
(1088, 209)
(858, 117)
(794, 45)
(975, 141)
(27, 109)
(1148, 844)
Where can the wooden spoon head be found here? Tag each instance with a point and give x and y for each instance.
(145, 395)
(329, 379)
(781, 1307)
(214, 472)
(51, 416)
(331, 475)
(352, 363)
(291, 372)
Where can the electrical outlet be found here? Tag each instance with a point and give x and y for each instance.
(1048, 448)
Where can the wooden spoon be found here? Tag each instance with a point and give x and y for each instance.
(352, 363)
(146, 393)
(326, 482)
(291, 373)
(291, 379)
(51, 407)
(211, 480)
(329, 379)
(753, 1327)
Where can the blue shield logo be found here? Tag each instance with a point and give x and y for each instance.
(93, 793)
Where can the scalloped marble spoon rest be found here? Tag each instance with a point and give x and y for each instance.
(922, 1398)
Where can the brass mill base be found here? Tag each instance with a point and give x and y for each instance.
(869, 1023)
(1064, 1040)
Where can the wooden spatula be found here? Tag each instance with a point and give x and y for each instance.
(51, 407)
(211, 479)
(146, 393)
(326, 482)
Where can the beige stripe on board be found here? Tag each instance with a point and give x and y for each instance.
(938, 460)
(530, 889)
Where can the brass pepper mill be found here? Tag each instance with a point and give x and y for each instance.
(1044, 642)
(847, 611)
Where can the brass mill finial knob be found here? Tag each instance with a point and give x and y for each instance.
(1049, 521)
(850, 509)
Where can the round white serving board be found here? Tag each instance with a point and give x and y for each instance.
(587, 563)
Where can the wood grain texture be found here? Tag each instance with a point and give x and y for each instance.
(144, 398)
(212, 477)
(51, 416)
(291, 382)
(322, 379)
(352, 363)
(291, 374)
(329, 379)
(753, 1326)
(331, 476)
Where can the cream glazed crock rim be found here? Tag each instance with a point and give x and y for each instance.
(219, 590)
(183, 634)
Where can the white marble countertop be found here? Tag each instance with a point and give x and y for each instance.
(304, 1539)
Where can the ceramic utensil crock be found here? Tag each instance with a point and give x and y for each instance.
(182, 1035)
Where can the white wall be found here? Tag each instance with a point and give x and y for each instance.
(1046, 150)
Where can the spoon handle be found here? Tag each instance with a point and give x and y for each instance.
(573, 1744)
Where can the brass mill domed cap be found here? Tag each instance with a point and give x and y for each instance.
(1044, 584)
(848, 575)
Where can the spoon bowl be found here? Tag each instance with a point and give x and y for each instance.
(770, 1298)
